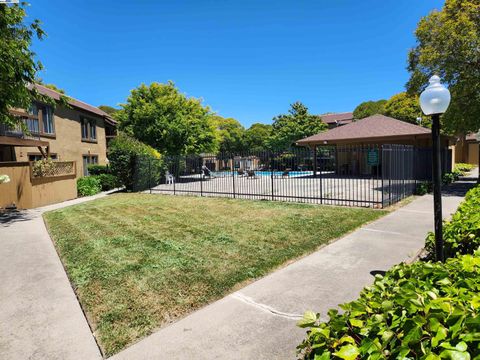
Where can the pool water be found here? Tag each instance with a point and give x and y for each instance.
(266, 173)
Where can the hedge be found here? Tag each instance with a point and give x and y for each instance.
(123, 153)
(95, 169)
(461, 235)
(463, 168)
(108, 181)
(88, 185)
(423, 311)
(425, 187)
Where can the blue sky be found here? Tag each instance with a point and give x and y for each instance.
(248, 59)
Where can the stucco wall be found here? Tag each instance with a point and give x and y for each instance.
(19, 190)
(28, 193)
(473, 153)
(67, 143)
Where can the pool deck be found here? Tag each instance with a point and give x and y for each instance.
(327, 189)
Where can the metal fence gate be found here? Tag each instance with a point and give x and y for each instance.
(367, 175)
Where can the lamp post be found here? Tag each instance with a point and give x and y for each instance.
(477, 136)
(434, 101)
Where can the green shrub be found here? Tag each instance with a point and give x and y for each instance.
(423, 188)
(463, 168)
(423, 311)
(449, 178)
(43, 167)
(123, 153)
(98, 169)
(108, 181)
(461, 235)
(88, 185)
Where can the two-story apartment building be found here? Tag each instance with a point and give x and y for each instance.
(79, 133)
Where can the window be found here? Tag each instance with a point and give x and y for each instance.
(37, 157)
(32, 126)
(93, 130)
(84, 129)
(47, 120)
(89, 129)
(89, 160)
(45, 123)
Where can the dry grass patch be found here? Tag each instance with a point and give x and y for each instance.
(139, 261)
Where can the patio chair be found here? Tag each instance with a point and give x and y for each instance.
(169, 178)
(240, 172)
(206, 173)
(251, 174)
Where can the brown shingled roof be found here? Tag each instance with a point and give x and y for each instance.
(376, 126)
(75, 103)
(337, 117)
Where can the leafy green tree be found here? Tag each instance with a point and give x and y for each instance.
(55, 88)
(405, 107)
(162, 117)
(257, 136)
(369, 108)
(230, 134)
(448, 43)
(296, 125)
(18, 66)
(110, 110)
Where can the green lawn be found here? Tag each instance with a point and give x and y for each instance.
(140, 261)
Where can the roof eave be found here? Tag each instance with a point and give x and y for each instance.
(358, 139)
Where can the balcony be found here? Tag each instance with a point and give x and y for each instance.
(18, 135)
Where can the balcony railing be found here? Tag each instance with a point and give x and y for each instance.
(52, 169)
(29, 130)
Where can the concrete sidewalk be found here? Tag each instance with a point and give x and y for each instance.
(40, 317)
(258, 322)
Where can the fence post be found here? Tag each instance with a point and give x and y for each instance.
(201, 178)
(319, 175)
(271, 175)
(233, 176)
(150, 174)
(414, 166)
(176, 174)
(382, 172)
(390, 178)
(404, 170)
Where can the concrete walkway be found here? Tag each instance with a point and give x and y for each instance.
(40, 317)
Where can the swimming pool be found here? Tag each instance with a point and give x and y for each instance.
(265, 173)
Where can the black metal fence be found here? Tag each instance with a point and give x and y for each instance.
(369, 176)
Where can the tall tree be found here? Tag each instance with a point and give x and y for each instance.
(448, 43)
(18, 66)
(256, 137)
(369, 108)
(162, 117)
(295, 125)
(405, 107)
(230, 134)
(110, 110)
(55, 88)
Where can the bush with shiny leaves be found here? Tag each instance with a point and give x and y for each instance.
(426, 310)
